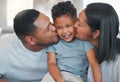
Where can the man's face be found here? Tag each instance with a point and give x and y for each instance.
(45, 32)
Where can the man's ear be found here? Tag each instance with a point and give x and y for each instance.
(96, 34)
(30, 40)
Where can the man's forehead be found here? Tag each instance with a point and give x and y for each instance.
(42, 21)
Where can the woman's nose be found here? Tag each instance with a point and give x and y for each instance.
(53, 28)
(75, 25)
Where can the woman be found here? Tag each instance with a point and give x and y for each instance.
(99, 24)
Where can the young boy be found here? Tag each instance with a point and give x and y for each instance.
(68, 59)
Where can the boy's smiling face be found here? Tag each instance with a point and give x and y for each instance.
(65, 27)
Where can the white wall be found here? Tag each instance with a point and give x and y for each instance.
(46, 5)
(15, 6)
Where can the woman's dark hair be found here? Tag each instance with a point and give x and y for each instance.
(24, 23)
(64, 8)
(103, 17)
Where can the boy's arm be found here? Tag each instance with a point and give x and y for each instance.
(97, 75)
(3, 80)
(53, 69)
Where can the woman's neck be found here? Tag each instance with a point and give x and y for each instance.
(95, 42)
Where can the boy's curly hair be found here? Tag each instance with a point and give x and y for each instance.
(63, 8)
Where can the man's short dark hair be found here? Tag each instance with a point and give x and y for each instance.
(24, 23)
(63, 8)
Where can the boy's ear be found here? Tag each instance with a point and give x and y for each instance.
(29, 40)
(96, 34)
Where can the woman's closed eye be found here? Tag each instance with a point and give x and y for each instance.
(58, 27)
(68, 26)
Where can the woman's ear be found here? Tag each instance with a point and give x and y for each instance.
(96, 34)
(29, 40)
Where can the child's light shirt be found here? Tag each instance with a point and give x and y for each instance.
(71, 56)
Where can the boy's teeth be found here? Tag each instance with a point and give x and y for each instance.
(66, 36)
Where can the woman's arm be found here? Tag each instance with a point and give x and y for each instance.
(118, 69)
(53, 69)
(97, 75)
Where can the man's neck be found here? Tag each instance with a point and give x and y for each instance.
(34, 48)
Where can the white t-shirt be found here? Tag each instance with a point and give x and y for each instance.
(18, 64)
(110, 71)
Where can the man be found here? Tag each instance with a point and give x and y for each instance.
(23, 57)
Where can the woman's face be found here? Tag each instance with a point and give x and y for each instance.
(65, 27)
(83, 31)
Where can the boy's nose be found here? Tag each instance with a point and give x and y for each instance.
(64, 30)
